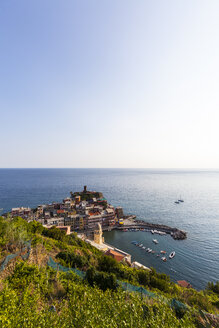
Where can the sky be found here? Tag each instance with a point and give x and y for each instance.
(109, 84)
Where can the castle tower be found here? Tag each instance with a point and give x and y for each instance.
(98, 235)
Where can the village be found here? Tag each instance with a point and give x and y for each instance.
(81, 212)
(88, 213)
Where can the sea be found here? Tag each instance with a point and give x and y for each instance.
(150, 195)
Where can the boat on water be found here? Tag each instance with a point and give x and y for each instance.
(155, 241)
(152, 231)
(172, 254)
(176, 202)
(162, 233)
(143, 247)
(163, 252)
(150, 250)
(163, 259)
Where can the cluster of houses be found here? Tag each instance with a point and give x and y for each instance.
(82, 211)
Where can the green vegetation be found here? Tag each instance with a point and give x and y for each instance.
(34, 295)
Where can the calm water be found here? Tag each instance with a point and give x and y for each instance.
(149, 194)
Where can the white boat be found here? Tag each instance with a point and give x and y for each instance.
(172, 254)
(155, 241)
(152, 231)
(162, 233)
(163, 259)
(150, 250)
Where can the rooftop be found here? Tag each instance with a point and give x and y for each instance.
(184, 284)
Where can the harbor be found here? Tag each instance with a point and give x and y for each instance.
(139, 225)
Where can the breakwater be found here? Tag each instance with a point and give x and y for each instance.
(138, 224)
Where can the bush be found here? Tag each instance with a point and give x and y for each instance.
(35, 227)
(108, 264)
(101, 279)
(159, 284)
(143, 277)
(213, 287)
(54, 233)
(73, 260)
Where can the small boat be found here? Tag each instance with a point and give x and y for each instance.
(143, 247)
(158, 255)
(153, 252)
(150, 250)
(180, 200)
(162, 233)
(163, 259)
(163, 252)
(155, 241)
(176, 202)
(172, 254)
(134, 242)
(152, 231)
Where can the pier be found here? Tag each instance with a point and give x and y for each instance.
(139, 224)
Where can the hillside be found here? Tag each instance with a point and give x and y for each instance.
(49, 279)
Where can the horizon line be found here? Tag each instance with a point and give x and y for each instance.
(108, 168)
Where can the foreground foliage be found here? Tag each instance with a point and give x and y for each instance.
(37, 296)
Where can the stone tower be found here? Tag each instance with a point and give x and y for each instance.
(98, 235)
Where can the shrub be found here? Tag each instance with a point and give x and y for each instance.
(54, 233)
(101, 279)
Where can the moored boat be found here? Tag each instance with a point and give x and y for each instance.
(155, 241)
(172, 254)
(163, 259)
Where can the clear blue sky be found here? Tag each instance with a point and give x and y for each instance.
(109, 83)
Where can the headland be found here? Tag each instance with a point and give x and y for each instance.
(84, 210)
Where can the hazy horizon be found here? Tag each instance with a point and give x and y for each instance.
(114, 168)
(109, 84)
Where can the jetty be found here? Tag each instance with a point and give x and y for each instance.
(140, 224)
